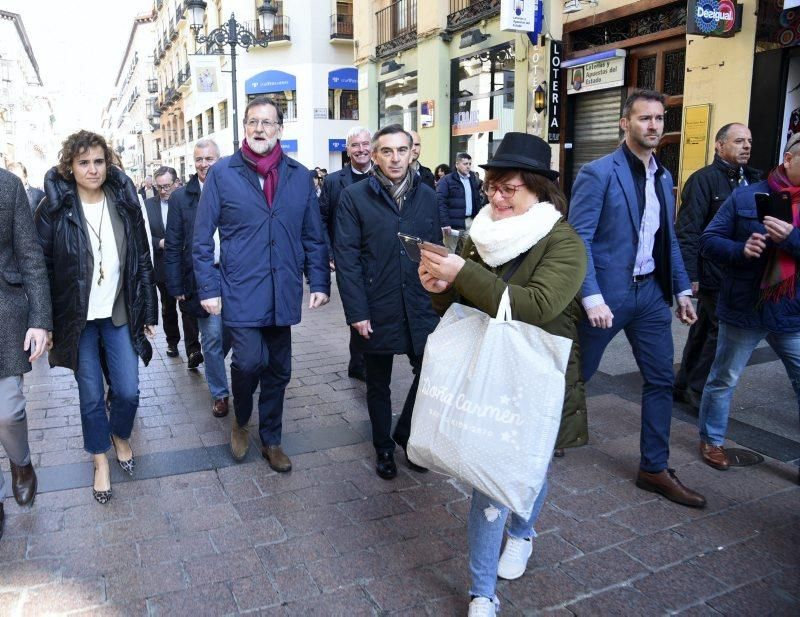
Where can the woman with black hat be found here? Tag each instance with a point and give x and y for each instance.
(521, 241)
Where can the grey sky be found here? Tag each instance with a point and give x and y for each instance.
(79, 47)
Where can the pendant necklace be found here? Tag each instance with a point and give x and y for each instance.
(99, 239)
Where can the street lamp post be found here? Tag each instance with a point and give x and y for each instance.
(233, 33)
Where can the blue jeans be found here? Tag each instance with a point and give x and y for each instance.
(647, 321)
(123, 374)
(215, 348)
(734, 347)
(486, 536)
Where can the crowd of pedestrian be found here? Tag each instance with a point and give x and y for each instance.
(232, 249)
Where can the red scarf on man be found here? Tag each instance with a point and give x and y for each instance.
(265, 165)
(780, 275)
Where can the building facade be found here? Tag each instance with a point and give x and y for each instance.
(129, 120)
(26, 112)
(307, 68)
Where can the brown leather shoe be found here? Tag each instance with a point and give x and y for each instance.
(666, 483)
(23, 483)
(276, 458)
(220, 407)
(714, 456)
(240, 440)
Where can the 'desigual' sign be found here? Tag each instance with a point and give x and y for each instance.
(719, 18)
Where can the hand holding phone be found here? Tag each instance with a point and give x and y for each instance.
(777, 205)
(413, 244)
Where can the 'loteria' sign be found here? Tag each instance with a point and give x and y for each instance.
(720, 18)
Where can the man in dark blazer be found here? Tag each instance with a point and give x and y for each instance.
(26, 314)
(459, 196)
(157, 211)
(359, 149)
(179, 272)
(622, 206)
(383, 298)
(266, 210)
(425, 174)
(34, 195)
(703, 194)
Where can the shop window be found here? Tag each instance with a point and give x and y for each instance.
(286, 101)
(210, 120)
(674, 72)
(343, 104)
(198, 120)
(397, 102)
(646, 73)
(223, 114)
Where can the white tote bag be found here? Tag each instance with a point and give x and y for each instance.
(489, 403)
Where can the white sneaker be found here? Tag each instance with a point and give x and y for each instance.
(514, 559)
(482, 607)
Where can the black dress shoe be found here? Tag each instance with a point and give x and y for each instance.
(172, 351)
(23, 483)
(385, 466)
(357, 374)
(195, 360)
(2, 520)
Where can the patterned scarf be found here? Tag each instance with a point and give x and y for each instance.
(265, 165)
(780, 275)
(397, 191)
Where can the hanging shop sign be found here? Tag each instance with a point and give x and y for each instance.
(469, 123)
(596, 76)
(554, 95)
(337, 145)
(719, 18)
(519, 15)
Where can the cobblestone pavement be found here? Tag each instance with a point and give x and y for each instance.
(200, 535)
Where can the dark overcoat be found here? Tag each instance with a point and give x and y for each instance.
(24, 288)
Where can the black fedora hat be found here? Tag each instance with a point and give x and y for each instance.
(523, 151)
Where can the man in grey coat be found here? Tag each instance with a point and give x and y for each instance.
(26, 313)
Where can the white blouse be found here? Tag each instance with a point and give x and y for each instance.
(102, 293)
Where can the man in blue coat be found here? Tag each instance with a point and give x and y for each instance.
(758, 298)
(384, 301)
(622, 206)
(179, 273)
(264, 206)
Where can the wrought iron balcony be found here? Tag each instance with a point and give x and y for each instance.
(464, 13)
(397, 27)
(183, 76)
(280, 31)
(152, 86)
(341, 26)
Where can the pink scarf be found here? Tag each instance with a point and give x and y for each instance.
(780, 275)
(265, 165)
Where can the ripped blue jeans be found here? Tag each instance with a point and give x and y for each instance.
(485, 534)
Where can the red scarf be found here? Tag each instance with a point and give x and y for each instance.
(266, 166)
(780, 275)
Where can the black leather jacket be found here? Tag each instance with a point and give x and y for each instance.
(68, 256)
(702, 195)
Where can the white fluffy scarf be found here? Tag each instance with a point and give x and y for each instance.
(499, 242)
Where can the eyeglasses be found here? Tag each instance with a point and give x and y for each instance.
(506, 190)
(254, 123)
(164, 187)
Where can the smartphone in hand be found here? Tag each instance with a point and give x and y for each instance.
(413, 244)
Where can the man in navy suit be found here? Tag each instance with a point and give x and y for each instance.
(623, 208)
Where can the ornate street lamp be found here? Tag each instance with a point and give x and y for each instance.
(233, 33)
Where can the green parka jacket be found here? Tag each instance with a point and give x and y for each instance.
(543, 293)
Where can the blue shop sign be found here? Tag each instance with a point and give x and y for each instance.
(343, 79)
(289, 145)
(337, 145)
(270, 81)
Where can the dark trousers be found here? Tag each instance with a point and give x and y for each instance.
(647, 321)
(356, 357)
(169, 318)
(701, 345)
(261, 356)
(379, 401)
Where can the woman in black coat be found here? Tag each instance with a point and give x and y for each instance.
(93, 235)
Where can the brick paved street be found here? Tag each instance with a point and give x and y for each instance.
(197, 534)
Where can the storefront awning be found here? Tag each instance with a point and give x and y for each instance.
(270, 81)
(343, 79)
(603, 55)
(337, 145)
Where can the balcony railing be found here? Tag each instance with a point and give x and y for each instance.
(341, 26)
(183, 76)
(397, 27)
(152, 86)
(464, 13)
